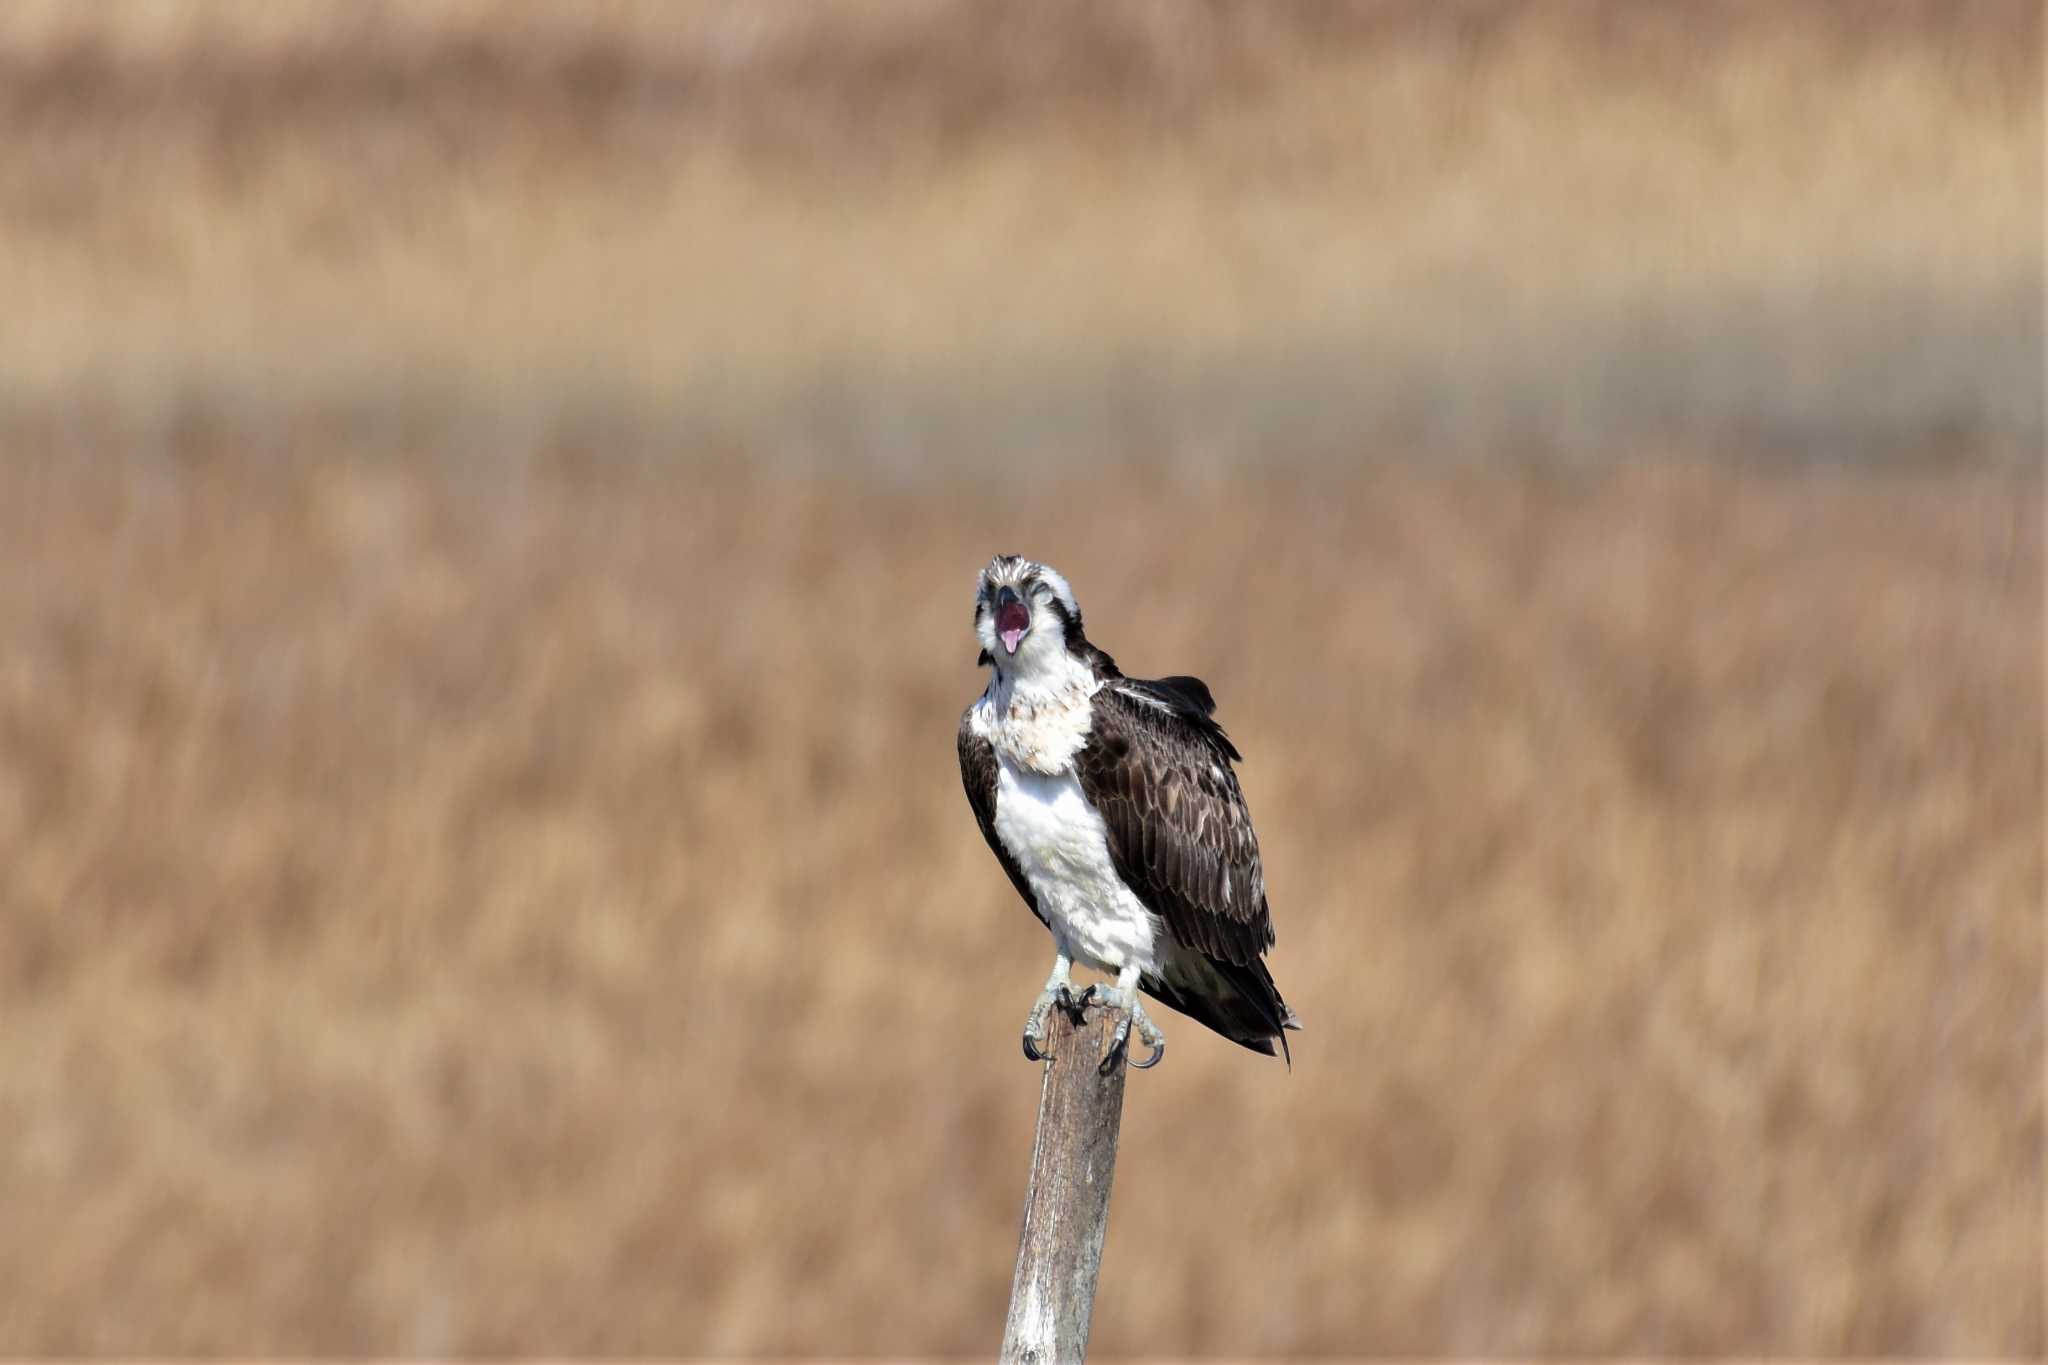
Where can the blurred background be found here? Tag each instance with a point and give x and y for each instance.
(490, 497)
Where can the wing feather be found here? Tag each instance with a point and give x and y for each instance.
(1158, 769)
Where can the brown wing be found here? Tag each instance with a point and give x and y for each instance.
(1179, 833)
(978, 775)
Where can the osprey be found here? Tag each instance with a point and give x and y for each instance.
(1112, 804)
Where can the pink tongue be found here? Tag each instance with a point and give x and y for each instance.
(1012, 624)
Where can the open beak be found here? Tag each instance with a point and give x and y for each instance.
(1013, 619)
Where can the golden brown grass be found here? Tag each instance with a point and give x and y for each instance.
(490, 908)
(915, 232)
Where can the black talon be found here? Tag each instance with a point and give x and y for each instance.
(1119, 1046)
(1031, 1052)
(1118, 1049)
(1152, 1061)
(1074, 1006)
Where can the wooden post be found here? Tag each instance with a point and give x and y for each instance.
(1066, 1208)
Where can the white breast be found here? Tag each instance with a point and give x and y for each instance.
(1062, 847)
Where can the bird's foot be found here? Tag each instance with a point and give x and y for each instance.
(1056, 995)
(1125, 998)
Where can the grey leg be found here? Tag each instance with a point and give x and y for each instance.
(1124, 996)
(1059, 990)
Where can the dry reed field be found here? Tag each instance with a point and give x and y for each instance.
(898, 232)
(457, 914)
(489, 502)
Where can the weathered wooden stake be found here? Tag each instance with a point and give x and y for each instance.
(1066, 1208)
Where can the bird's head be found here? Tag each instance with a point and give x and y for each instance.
(1026, 618)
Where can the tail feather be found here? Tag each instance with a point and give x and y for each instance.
(1237, 1000)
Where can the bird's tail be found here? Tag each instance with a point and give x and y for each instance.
(1238, 1000)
